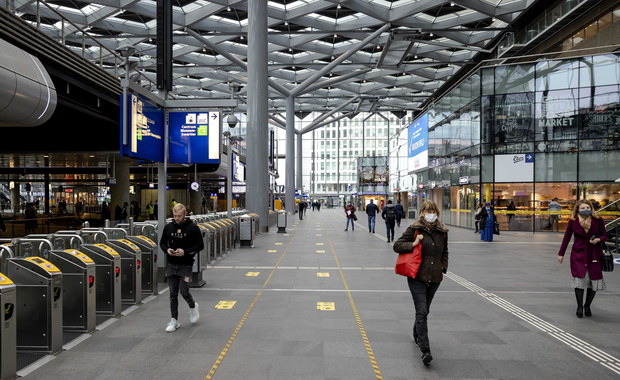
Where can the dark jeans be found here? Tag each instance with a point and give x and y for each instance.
(350, 220)
(422, 294)
(176, 275)
(389, 224)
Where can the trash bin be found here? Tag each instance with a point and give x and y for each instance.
(107, 278)
(131, 270)
(78, 279)
(39, 310)
(281, 221)
(8, 328)
(149, 263)
(246, 230)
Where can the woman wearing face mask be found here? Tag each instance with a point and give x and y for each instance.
(433, 236)
(487, 222)
(585, 256)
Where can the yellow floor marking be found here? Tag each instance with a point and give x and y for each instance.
(318, 235)
(284, 234)
(225, 305)
(252, 274)
(358, 319)
(320, 251)
(320, 243)
(272, 251)
(279, 243)
(326, 306)
(245, 317)
(322, 274)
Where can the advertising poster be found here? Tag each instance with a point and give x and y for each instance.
(417, 151)
(514, 167)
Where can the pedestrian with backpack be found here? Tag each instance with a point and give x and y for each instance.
(389, 215)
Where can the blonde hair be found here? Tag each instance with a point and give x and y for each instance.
(575, 212)
(179, 207)
(429, 206)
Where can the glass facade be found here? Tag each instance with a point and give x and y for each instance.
(527, 133)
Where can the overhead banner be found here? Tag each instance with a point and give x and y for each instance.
(194, 137)
(417, 151)
(514, 167)
(145, 129)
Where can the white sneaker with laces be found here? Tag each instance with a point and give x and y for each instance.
(172, 325)
(194, 314)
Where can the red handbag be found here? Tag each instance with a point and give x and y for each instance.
(407, 264)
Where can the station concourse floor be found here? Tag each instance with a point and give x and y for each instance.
(505, 310)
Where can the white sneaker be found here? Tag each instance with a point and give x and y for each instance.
(194, 314)
(172, 325)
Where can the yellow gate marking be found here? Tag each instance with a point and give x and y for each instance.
(326, 306)
(279, 243)
(252, 274)
(318, 235)
(322, 274)
(225, 305)
(272, 251)
(320, 251)
(320, 243)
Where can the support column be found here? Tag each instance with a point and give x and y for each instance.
(15, 204)
(299, 179)
(290, 154)
(258, 169)
(46, 192)
(119, 193)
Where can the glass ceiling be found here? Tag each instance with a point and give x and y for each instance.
(426, 44)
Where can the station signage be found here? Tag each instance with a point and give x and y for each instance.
(145, 129)
(194, 137)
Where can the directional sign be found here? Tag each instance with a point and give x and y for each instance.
(194, 137)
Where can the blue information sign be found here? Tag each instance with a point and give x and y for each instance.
(417, 151)
(194, 137)
(145, 129)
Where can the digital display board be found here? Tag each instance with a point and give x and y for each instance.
(194, 137)
(238, 169)
(417, 144)
(145, 129)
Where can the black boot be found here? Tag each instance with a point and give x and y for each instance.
(589, 297)
(579, 297)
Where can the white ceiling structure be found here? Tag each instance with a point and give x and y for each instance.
(390, 55)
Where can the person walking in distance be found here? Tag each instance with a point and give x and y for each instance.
(181, 240)
(400, 212)
(372, 210)
(349, 210)
(554, 218)
(433, 235)
(585, 256)
(389, 215)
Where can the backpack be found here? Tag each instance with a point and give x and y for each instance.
(390, 213)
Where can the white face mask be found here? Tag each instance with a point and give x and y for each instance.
(430, 217)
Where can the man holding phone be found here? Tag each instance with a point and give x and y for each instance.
(181, 240)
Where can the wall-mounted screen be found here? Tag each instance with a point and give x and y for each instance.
(194, 137)
(145, 129)
(417, 151)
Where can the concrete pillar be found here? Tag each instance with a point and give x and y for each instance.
(119, 193)
(257, 158)
(299, 179)
(290, 154)
(15, 203)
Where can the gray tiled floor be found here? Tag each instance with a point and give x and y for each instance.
(277, 332)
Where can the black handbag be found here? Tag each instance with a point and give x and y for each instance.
(496, 228)
(607, 259)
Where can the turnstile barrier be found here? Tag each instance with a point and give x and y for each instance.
(131, 270)
(149, 263)
(107, 278)
(39, 310)
(8, 328)
(79, 295)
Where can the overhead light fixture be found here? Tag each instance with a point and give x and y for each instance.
(431, 34)
(285, 22)
(228, 9)
(339, 6)
(452, 3)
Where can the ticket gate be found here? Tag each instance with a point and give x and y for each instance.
(8, 328)
(78, 280)
(149, 263)
(39, 310)
(107, 278)
(224, 233)
(201, 259)
(131, 270)
(217, 239)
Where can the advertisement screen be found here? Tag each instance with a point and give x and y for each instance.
(145, 129)
(194, 137)
(417, 142)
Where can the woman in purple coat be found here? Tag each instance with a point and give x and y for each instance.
(585, 256)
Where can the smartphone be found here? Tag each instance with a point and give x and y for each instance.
(593, 237)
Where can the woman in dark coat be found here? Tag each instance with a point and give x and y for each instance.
(433, 236)
(487, 222)
(585, 256)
